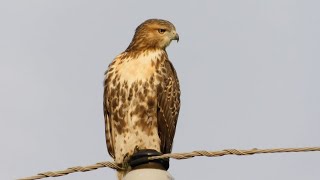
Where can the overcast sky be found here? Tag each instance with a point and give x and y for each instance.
(249, 72)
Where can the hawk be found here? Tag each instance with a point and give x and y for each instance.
(142, 94)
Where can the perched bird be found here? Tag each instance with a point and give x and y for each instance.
(142, 94)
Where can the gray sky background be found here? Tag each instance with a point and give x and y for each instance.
(249, 73)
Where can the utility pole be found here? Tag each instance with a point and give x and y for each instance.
(148, 174)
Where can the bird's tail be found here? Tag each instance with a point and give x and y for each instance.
(121, 173)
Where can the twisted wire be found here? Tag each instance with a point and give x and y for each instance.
(177, 156)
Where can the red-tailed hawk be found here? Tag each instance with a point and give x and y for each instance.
(141, 94)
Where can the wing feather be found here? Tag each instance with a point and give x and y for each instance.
(107, 116)
(168, 107)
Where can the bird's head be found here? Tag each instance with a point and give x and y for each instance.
(153, 34)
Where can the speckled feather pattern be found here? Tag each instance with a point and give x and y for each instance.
(142, 95)
(141, 104)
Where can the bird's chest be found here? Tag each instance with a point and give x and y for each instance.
(142, 68)
(135, 70)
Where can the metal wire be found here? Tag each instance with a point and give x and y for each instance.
(177, 156)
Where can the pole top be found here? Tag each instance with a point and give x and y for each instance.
(148, 174)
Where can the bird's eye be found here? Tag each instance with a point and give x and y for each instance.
(161, 31)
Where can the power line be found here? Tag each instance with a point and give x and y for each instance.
(177, 156)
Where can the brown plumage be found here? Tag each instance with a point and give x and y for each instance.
(141, 94)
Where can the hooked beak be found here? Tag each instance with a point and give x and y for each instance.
(176, 37)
